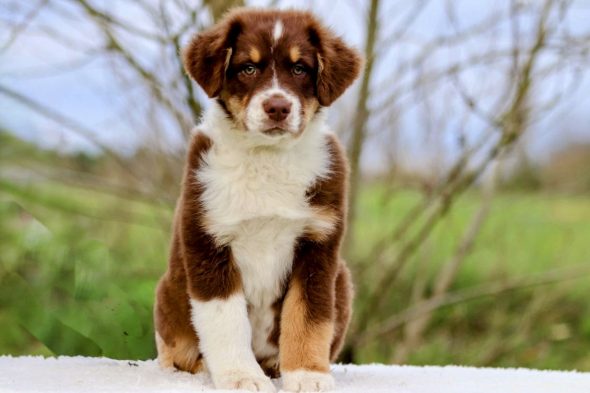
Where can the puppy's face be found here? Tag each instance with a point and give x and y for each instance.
(271, 70)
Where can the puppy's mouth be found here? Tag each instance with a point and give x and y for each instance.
(275, 131)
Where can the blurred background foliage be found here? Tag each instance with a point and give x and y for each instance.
(474, 254)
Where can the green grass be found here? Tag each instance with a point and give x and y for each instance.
(525, 234)
(78, 271)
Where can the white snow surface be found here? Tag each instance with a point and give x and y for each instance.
(80, 374)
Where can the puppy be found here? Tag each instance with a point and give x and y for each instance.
(255, 286)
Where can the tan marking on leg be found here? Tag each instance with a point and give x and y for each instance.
(187, 357)
(254, 55)
(184, 355)
(165, 357)
(294, 54)
(303, 344)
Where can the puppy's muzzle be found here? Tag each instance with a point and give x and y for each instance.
(277, 108)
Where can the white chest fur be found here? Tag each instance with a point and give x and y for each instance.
(255, 201)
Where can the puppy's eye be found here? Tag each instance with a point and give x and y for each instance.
(298, 69)
(249, 69)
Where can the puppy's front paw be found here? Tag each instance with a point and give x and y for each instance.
(307, 381)
(244, 380)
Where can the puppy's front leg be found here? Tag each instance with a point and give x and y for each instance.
(225, 341)
(220, 318)
(218, 307)
(307, 320)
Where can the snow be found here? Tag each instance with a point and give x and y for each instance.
(80, 374)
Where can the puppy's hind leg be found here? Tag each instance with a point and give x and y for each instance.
(165, 356)
(184, 355)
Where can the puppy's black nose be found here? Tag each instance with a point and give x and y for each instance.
(277, 108)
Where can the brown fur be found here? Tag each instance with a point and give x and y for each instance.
(313, 315)
(206, 273)
(243, 30)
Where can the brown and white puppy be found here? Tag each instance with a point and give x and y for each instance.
(255, 283)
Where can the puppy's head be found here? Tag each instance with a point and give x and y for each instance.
(271, 71)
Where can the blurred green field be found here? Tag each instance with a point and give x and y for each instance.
(78, 271)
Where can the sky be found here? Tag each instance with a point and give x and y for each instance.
(82, 86)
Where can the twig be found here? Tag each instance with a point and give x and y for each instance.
(362, 115)
(473, 293)
(20, 27)
(511, 122)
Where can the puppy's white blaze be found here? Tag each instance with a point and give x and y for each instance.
(275, 79)
(277, 31)
(225, 338)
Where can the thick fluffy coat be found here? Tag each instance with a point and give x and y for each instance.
(255, 285)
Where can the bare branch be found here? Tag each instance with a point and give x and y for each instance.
(22, 26)
(473, 293)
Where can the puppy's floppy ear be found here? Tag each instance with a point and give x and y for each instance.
(338, 64)
(207, 56)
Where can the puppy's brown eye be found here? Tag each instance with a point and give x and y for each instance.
(249, 70)
(298, 69)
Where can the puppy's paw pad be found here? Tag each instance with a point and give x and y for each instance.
(244, 381)
(307, 381)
